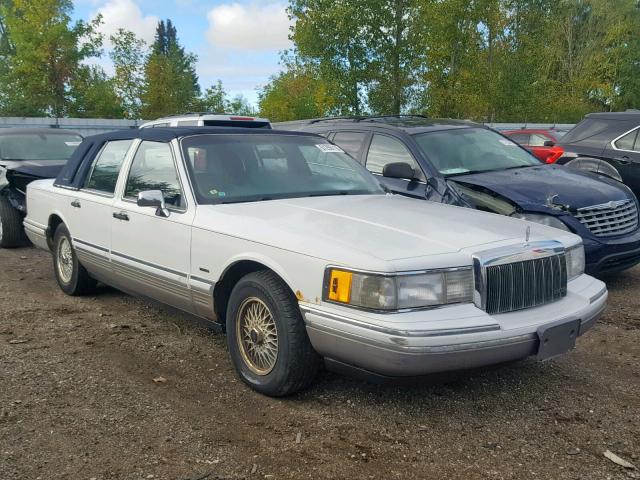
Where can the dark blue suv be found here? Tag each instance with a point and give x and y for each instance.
(467, 164)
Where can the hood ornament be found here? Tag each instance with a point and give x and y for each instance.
(552, 203)
(527, 235)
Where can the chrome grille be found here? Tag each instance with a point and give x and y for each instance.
(609, 219)
(525, 284)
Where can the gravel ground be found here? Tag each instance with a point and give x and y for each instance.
(78, 400)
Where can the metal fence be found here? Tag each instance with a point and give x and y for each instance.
(93, 126)
(84, 126)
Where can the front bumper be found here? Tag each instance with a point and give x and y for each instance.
(609, 256)
(444, 339)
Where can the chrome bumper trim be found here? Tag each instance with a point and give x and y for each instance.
(396, 332)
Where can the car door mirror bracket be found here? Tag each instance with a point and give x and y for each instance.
(153, 198)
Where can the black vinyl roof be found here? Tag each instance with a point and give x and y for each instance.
(77, 168)
(166, 134)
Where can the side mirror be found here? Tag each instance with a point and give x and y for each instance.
(398, 170)
(549, 143)
(155, 199)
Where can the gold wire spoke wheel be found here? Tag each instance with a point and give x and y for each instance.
(65, 260)
(257, 336)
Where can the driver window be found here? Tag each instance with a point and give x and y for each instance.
(384, 150)
(153, 168)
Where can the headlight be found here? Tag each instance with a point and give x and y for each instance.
(575, 261)
(397, 292)
(548, 220)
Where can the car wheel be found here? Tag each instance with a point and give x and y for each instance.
(266, 335)
(11, 230)
(72, 277)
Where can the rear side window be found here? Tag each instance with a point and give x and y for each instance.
(153, 168)
(521, 138)
(384, 150)
(350, 142)
(585, 129)
(537, 140)
(106, 166)
(629, 141)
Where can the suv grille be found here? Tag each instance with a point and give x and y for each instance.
(525, 284)
(610, 219)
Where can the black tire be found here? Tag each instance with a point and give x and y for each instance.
(78, 281)
(296, 363)
(11, 232)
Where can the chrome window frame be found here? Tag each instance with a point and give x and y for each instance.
(102, 193)
(613, 142)
(125, 179)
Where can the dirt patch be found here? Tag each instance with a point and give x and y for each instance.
(78, 401)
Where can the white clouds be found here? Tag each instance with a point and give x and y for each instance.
(126, 14)
(254, 27)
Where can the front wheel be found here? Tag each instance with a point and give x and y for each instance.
(11, 231)
(72, 277)
(266, 335)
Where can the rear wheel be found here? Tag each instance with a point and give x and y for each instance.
(11, 231)
(72, 277)
(266, 335)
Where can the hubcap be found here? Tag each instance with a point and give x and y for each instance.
(257, 336)
(65, 260)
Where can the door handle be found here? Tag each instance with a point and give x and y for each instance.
(76, 204)
(121, 216)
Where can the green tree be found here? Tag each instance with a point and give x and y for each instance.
(214, 99)
(94, 95)
(47, 53)
(330, 35)
(170, 82)
(239, 105)
(296, 94)
(127, 56)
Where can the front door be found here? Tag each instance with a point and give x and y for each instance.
(625, 157)
(150, 252)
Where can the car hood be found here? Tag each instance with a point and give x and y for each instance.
(533, 188)
(35, 168)
(382, 227)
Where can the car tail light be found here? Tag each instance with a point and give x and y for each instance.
(554, 154)
(242, 118)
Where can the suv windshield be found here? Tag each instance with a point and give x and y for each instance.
(246, 168)
(38, 146)
(472, 150)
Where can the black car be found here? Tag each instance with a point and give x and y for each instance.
(606, 143)
(467, 164)
(27, 154)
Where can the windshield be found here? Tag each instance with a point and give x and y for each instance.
(472, 150)
(245, 168)
(38, 146)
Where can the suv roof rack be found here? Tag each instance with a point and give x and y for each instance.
(195, 114)
(364, 118)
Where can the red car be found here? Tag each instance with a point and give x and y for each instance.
(540, 142)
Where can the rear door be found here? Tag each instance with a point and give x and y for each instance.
(150, 252)
(385, 149)
(89, 210)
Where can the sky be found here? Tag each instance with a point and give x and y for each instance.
(236, 41)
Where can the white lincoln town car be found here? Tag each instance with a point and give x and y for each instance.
(301, 256)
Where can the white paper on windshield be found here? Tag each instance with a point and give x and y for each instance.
(72, 144)
(328, 148)
(506, 142)
(454, 171)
